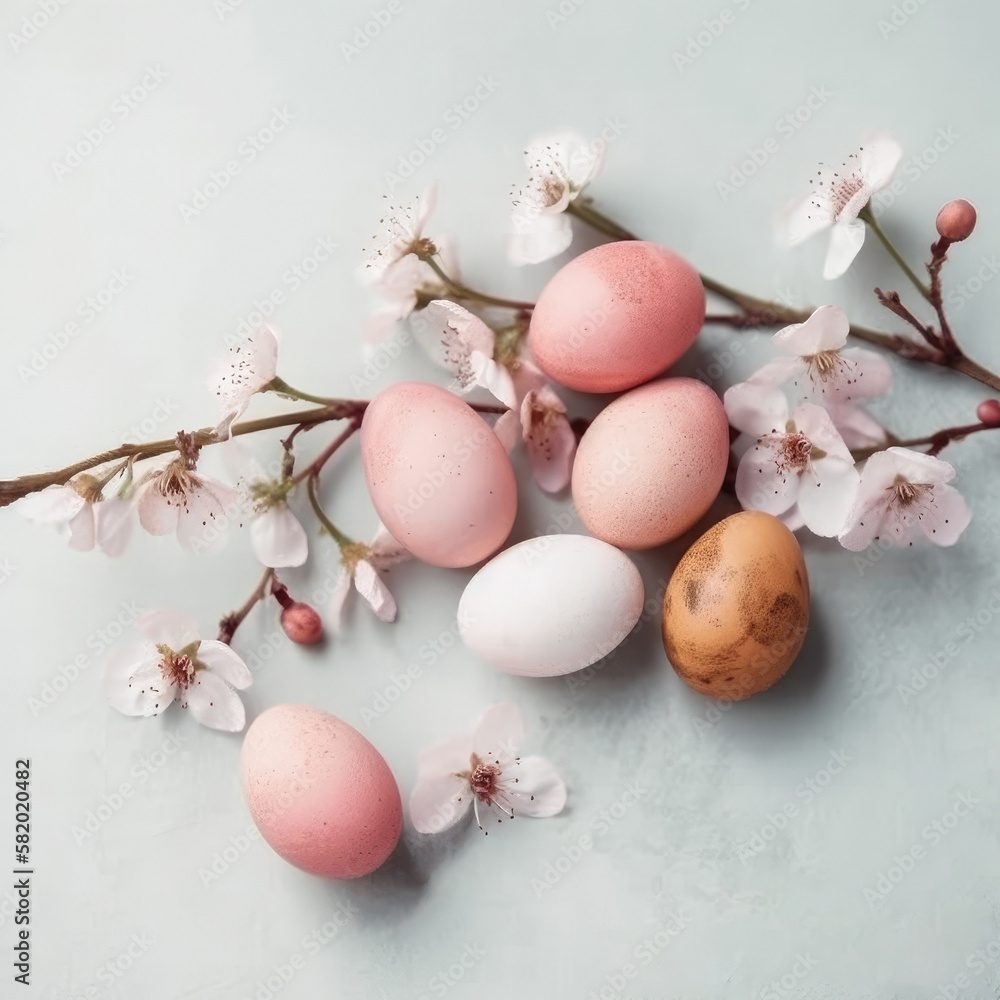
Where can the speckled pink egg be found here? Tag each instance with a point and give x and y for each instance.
(321, 795)
(438, 476)
(651, 463)
(617, 316)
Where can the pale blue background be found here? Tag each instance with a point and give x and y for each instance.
(711, 781)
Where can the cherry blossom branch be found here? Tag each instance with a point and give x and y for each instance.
(314, 467)
(462, 291)
(341, 409)
(312, 486)
(231, 622)
(892, 302)
(937, 441)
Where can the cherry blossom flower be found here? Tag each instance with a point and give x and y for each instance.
(176, 665)
(560, 166)
(483, 771)
(77, 507)
(361, 563)
(549, 438)
(837, 198)
(403, 233)
(799, 470)
(249, 368)
(178, 499)
(463, 344)
(818, 364)
(904, 493)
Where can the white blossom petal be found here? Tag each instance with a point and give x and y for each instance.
(373, 589)
(53, 505)
(385, 550)
(204, 515)
(549, 437)
(157, 513)
(278, 538)
(214, 703)
(826, 495)
(83, 529)
(493, 377)
(115, 521)
(857, 427)
(538, 237)
(248, 368)
(225, 662)
(499, 731)
(508, 430)
(763, 482)
(451, 754)
(846, 239)
(145, 691)
(168, 627)
(879, 157)
(539, 791)
(825, 330)
(439, 801)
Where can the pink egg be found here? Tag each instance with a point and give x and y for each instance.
(321, 795)
(438, 476)
(616, 316)
(651, 463)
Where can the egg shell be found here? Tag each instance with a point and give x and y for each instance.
(616, 316)
(321, 795)
(651, 463)
(736, 609)
(551, 605)
(438, 476)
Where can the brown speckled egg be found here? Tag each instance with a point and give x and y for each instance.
(321, 795)
(651, 463)
(616, 316)
(736, 609)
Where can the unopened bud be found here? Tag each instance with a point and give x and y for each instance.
(956, 220)
(988, 412)
(302, 624)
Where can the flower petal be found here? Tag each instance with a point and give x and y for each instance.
(880, 155)
(53, 505)
(540, 792)
(827, 493)
(157, 514)
(168, 627)
(372, 588)
(449, 333)
(115, 521)
(549, 437)
(499, 731)
(538, 238)
(493, 377)
(802, 219)
(860, 374)
(278, 538)
(757, 406)
(204, 516)
(508, 429)
(250, 365)
(451, 754)
(439, 801)
(385, 550)
(82, 529)
(846, 239)
(224, 661)
(825, 330)
(214, 703)
(857, 427)
(817, 425)
(763, 481)
(945, 516)
(335, 610)
(143, 690)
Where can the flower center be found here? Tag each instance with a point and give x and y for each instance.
(823, 364)
(177, 668)
(485, 780)
(904, 494)
(843, 190)
(793, 452)
(351, 555)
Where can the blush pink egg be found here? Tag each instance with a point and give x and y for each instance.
(321, 795)
(651, 463)
(438, 476)
(616, 317)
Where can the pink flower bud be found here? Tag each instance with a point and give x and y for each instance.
(988, 412)
(302, 624)
(956, 220)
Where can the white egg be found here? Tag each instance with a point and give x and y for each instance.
(551, 605)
